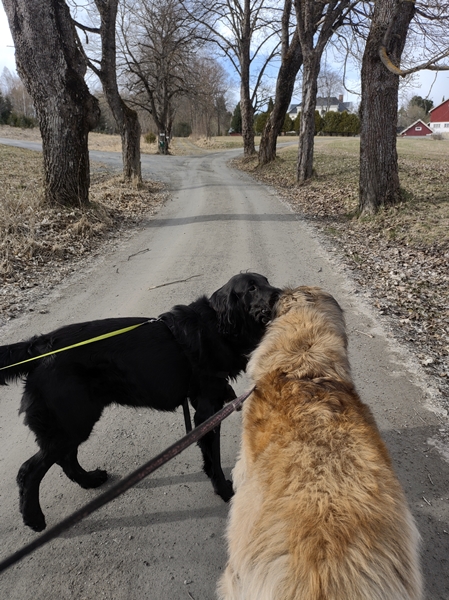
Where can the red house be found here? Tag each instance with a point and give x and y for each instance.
(439, 118)
(418, 128)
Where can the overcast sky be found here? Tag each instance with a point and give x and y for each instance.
(424, 87)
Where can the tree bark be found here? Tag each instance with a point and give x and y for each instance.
(307, 125)
(246, 105)
(52, 67)
(127, 119)
(317, 22)
(249, 148)
(284, 92)
(379, 178)
(291, 61)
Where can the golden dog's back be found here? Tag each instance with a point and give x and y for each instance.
(318, 512)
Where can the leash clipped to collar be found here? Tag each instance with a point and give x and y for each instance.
(104, 336)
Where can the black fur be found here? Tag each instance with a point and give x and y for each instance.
(190, 351)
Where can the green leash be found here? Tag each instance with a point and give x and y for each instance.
(105, 336)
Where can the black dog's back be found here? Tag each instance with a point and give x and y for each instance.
(129, 368)
(104, 361)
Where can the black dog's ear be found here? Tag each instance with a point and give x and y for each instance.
(227, 304)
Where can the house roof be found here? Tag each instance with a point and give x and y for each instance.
(441, 104)
(416, 123)
(322, 101)
(331, 100)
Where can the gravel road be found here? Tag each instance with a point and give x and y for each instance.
(163, 539)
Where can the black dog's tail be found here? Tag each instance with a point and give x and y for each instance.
(13, 354)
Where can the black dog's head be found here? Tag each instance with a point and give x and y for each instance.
(244, 305)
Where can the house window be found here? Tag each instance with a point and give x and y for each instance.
(446, 124)
(436, 125)
(418, 128)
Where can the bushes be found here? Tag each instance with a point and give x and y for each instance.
(288, 124)
(318, 123)
(332, 123)
(149, 138)
(9, 117)
(236, 121)
(335, 123)
(5, 109)
(22, 121)
(260, 121)
(182, 129)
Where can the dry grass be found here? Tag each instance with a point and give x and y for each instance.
(97, 141)
(39, 245)
(401, 255)
(227, 142)
(422, 218)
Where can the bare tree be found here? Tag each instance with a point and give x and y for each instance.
(52, 67)
(379, 177)
(209, 86)
(159, 42)
(329, 83)
(247, 33)
(205, 110)
(427, 43)
(291, 61)
(317, 22)
(106, 70)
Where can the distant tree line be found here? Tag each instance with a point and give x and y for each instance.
(16, 107)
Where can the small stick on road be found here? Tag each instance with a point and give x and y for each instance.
(153, 287)
(140, 252)
(363, 333)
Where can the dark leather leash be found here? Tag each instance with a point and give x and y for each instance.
(129, 481)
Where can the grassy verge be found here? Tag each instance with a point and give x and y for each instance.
(97, 141)
(40, 245)
(225, 142)
(401, 255)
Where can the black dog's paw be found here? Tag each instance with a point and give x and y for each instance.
(35, 522)
(226, 492)
(94, 479)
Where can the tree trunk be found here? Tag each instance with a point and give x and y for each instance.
(379, 178)
(246, 105)
(311, 70)
(130, 132)
(127, 119)
(52, 68)
(290, 65)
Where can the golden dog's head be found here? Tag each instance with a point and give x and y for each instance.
(306, 339)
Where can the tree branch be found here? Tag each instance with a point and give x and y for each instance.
(429, 65)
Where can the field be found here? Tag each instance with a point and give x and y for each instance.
(399, 257)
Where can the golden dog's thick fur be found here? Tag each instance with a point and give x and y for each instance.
(318, 512)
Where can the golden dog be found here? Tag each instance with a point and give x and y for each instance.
(318, 512)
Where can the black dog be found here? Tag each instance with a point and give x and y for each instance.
(189, 352)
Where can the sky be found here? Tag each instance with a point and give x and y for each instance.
(425, 85)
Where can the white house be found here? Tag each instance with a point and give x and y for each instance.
(323, 105)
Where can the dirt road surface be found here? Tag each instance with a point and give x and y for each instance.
(163, 539)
